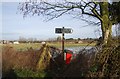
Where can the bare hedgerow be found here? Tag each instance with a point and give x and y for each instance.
(12, 59)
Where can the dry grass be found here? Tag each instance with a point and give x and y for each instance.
(12, 59)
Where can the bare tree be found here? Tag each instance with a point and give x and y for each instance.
(98, 10)
(22, 39)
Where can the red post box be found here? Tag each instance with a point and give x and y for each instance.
(68, 56)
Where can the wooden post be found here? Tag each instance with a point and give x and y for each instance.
(63, 42)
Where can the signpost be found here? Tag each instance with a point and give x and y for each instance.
(63, 31)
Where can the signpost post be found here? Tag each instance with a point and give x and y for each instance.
(63, 31)
(63, 42)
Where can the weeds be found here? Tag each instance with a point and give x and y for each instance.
(29, 73)
(12, 59)
(107, 61)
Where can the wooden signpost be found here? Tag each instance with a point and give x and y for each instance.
(63, 31)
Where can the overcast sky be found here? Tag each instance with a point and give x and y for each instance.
(15, 26)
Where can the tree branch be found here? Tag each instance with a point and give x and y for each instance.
(93, 9)
(56, 10)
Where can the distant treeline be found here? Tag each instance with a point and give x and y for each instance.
(72, 40)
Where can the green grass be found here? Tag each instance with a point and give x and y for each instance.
(70, 44)
(29, 73)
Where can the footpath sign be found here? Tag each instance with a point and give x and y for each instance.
(63, 31)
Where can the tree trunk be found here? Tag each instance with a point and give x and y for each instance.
(106, 24)
(107, 34)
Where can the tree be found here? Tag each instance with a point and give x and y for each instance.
(114, 10)
(115, 15)
(22, 39)
(59, 38)
(98, 10)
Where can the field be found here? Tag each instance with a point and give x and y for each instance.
(23, 46)
(36, 46)
(71, 44)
